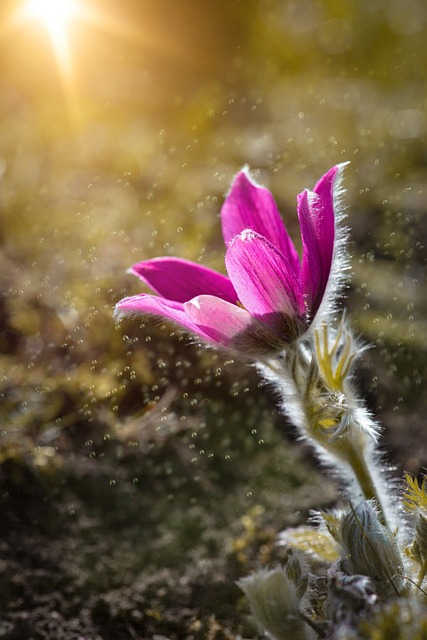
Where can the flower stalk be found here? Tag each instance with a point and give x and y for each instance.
(315, 382)
(278, 310)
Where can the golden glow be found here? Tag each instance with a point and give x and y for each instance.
(62, 21)
(55, 14)
(57, 17)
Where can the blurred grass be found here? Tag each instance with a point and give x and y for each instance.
(164, 113)
(131, 161)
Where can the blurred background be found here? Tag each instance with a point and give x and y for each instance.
(142, 474)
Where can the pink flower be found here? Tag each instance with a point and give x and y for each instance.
(270, 297)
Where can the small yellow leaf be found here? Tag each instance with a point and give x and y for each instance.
(415, 495)
(311, 541)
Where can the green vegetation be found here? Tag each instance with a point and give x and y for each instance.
(142, 474)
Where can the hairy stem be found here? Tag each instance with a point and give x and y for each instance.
(365, 480)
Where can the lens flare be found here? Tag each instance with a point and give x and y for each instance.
(68, 25)
(55, 14)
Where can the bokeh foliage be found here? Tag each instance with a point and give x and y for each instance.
(131, 160)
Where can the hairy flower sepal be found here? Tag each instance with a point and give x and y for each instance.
(322, 372)
(419, 546)
(271, 297)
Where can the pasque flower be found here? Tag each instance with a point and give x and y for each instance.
(271, 296)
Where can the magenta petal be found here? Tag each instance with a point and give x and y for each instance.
(249, 206)
(325, 216)
(317, 222)
(325, 186)
(180, 280)
(148, 304)
(217, 318)
(317, 258)
(264, 280)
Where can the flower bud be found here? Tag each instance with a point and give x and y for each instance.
(369, 548)
(274, 604)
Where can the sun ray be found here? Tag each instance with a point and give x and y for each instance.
(68, 25)
(57, 17)
(55, 14)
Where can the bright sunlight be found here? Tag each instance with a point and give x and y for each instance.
(57, 17)
(61, 20)
(55, 14)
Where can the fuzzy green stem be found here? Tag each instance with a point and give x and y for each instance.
(352, 452)
(357, 462)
